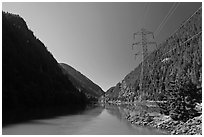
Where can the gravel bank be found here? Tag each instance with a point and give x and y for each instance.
(166, 123)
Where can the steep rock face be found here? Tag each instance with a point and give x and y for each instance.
(179, 57)
(31, 77)
(81, 81)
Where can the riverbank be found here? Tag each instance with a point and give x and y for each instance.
(21, 115)
(148, 114)
(107, 120)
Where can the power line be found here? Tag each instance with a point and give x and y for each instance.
(147, 10)
(168, 18)
(165, 17)
(183, 43)
(180, 27)
(186, 21)
(146, 7)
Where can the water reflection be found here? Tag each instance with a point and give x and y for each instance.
(114, 111)
(121, 111)
(98, 121)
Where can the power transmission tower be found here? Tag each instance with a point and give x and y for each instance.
(143, 33)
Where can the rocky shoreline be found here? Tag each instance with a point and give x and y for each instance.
(191, 127)
(149, 115)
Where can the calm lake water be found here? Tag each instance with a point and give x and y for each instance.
(98, 121)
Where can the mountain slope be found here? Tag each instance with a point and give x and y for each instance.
(109, 93)
(31, 77)
(81, 81)
(110, 90)
(178, 58)
(172, 74)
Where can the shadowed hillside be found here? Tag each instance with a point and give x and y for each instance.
(82, 82)
(31, 77)
(110, 90)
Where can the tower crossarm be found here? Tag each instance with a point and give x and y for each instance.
(136, 44)
(147, 32)
(137, 33)
(137, 54)
(152, 43)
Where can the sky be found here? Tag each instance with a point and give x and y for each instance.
(96, 38)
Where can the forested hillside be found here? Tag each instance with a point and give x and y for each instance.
(31, 77)
(82, 82)
(172, 73)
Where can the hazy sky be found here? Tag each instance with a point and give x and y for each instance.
(96, 38)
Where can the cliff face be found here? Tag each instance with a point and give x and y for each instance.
(178, 58)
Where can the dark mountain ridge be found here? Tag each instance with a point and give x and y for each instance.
(31, 77)
(81, 82)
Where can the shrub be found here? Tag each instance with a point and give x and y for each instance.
(182, 100)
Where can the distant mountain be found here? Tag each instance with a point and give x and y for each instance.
(81, 82)
(109, 92)
(31, 77)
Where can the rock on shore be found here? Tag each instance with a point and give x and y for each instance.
(191, 127)
(160, 121)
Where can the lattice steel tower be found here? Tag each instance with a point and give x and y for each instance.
(144, 43)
